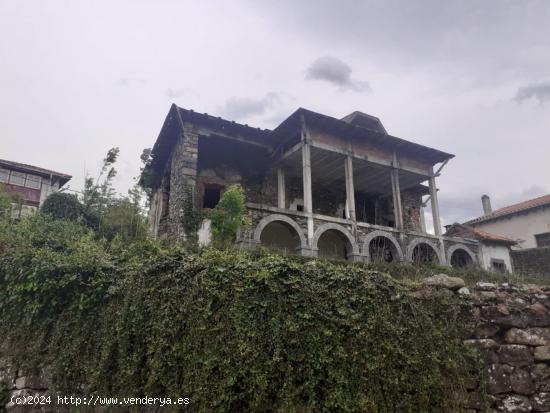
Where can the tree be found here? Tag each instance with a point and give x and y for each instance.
(228, 216)
(108, 213)
(61, 205)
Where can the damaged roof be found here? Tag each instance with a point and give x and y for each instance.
(466, 231)
(525, 206)
(355, 131)
(351, 126)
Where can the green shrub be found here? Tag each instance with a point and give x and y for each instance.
(228, 216)
(61, 205)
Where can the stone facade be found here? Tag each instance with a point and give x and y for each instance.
(357, 237)
(335, 183)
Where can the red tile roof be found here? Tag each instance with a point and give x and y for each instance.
(512, 209)
(488, 236)
(465, 231)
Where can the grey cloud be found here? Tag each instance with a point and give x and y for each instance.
(337, 72)
(491, 40)
(540, 91)
(174, 93)
(242, 108)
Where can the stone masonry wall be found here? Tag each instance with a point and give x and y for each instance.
(411, 203)
(514, 339)
(183, 172)
(534, 262)
(512, 335)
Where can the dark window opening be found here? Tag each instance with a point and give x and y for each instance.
(211, 196)
(543, 240)
(300, 208)
(498, 265)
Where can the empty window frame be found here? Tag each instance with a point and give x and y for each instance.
(17, 178)
(211, 197)
(498, 265)
(4, 175)
(543, 240)
(33, 181)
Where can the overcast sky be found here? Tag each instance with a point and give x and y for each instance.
(468, 77)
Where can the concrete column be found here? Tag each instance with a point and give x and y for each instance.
(396, 192)
(435, 206)
(306, 177)
(281, 202)
(422, 219)
(350, 189)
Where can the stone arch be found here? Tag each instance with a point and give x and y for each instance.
(264, 222)
(460, 247)
(342, 231)
(378, 233)
(418, 241)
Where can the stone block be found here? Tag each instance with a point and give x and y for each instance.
(530, 336)
(515, 355)
(514, 404)
(542, 353)
(502, 317)
(483, 343)
(444, 281)
(522, 383)
(497, 378)
(540, 373)
(541, 402)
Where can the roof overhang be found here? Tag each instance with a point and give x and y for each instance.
(36, 170)
(342, 128)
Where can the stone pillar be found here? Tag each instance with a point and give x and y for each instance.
(350, 189)
(435, 206)
(281, 202)
(183, 177)
(396, 193)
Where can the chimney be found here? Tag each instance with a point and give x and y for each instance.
(486, 202)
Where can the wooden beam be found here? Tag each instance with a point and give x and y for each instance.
(207, 133)
(370, 158)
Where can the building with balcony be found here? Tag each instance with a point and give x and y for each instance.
(315, 186)
(29, 185)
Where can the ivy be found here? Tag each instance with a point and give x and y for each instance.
(235, 331)
(192, 215)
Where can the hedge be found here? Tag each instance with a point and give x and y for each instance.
(234, 331)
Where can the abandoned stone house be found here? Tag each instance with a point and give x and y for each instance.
(314, 186)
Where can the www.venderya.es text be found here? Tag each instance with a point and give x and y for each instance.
(94, 400)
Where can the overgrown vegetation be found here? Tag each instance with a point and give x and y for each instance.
(228, 216)
(192, 215)
(61, 205)
(99, 207)
(232, 330)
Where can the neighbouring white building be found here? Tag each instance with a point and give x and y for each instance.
(527, 222)
(29, 184)
(494, 251)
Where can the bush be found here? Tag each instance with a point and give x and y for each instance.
(234, 331)
(61, 205)
(228, 216)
